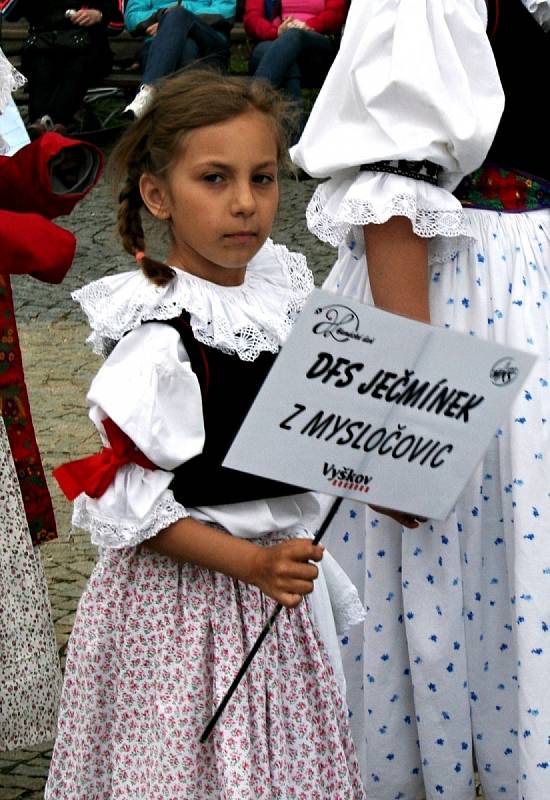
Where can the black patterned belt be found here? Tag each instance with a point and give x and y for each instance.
(419, 170)
(497, 189)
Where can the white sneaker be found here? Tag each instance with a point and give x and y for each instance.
(139, 104)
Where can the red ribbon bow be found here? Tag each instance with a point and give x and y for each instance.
(94, 474)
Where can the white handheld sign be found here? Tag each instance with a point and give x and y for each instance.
(365, 404)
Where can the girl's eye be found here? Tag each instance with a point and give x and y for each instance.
(263, 179)
(213, 177)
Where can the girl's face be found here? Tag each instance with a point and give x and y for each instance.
(220, 197)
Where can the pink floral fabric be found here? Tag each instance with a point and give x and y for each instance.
(153, 650)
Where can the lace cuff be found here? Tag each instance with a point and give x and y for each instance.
(117, 534)
(360, 198)
(347, 608)
(10, 81)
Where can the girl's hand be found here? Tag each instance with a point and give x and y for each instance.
(86, 17)
(283, 571)
(152, 29)
(407, 520)
(285, 25)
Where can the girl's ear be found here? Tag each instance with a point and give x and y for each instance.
(155, 196)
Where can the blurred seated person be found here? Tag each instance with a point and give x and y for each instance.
(176, 36)
(67, 51)
(296, 41)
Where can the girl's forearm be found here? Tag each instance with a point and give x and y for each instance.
(397, 261)
(190, 541)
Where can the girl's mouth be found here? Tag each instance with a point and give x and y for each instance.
(241, 236)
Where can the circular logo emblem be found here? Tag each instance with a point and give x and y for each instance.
(504, 372)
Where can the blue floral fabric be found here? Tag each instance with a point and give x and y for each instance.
(451, 669)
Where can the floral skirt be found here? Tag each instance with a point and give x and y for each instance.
(153, 650)
(30, 675)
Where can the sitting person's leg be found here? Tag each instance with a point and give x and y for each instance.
(316, 57)
(213, 45)
(169, 51)
(42, 71)
(279, 61)
(190, 53)
(182, 38)
(81, 71)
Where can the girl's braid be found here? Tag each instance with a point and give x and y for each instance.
(129, 224)
(130, 228)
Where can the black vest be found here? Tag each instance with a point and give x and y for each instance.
(522, 54)
(228, 387)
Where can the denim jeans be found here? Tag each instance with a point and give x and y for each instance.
(181, 39)
(296, 54)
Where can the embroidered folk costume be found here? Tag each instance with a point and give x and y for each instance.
(30, 195)
(156, 642)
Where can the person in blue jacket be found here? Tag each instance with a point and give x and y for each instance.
(177, 36)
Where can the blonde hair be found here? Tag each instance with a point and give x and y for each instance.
(182, 103)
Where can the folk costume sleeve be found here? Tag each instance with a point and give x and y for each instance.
(146, 404)
(410, 106)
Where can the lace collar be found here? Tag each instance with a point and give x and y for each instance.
(246, 320)
(10, 80)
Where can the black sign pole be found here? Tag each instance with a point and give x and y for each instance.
(265, 630)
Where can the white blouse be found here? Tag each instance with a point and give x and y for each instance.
(413, 79)
(147, 379)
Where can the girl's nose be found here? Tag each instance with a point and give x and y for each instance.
(243, 201)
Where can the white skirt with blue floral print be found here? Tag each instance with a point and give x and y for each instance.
(452, 667)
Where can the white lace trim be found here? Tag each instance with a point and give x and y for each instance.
(10, 80)
(118, 534)
(245, 320)
(347, 609)
(426, 222)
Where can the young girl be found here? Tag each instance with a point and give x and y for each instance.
(456, 657)
(194, 556)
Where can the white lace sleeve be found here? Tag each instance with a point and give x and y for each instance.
(358, 198)
(147, 387)
(10, 80)
(412, 80)
(113, 521)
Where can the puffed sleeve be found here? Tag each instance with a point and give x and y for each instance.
(147, 387)
(415, 80)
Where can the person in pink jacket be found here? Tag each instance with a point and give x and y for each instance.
(296, 40)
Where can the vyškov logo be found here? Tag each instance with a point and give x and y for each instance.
(346, 478)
